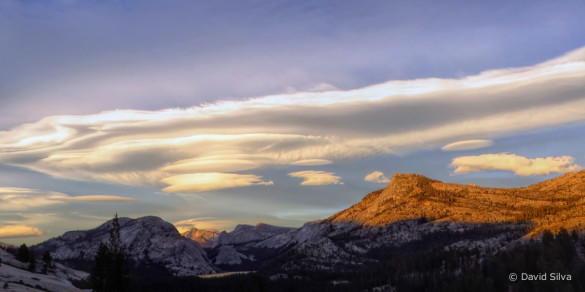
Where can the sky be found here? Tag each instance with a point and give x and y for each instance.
(210, 114)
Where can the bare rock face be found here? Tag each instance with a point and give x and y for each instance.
(148, 240)
(205, 238)
(259, 233)
(552, 204)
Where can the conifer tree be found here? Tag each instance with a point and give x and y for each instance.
(47, 262)
(23, 253)
(32, 266)
(110, 272)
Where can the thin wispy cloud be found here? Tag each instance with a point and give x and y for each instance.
(520, 165)
(187, 149)
(24, 199)
(316, 178)
(467, 145)
(377, 177)
(201, 182)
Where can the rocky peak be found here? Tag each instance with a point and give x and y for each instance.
(148, 240)
(205, 238)
(559, 202)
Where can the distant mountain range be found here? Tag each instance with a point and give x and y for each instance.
(468, 221)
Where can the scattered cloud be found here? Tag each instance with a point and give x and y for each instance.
(467, 145)
(520, 165)
(377, 177)
(9, 231)
(316, 178)
(187, 149)
(201, 182)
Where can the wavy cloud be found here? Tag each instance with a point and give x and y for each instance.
(21, 199)
(467, 145)
(520, 165)
(167, 148)
(377, 177)
(316, 178)
(9, 231)
(201, 182)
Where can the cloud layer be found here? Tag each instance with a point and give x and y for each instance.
(520, 165)
(203, 147)
(377, 177)
(201, 182)
(316, 178)
(22, 199)
(9, 231)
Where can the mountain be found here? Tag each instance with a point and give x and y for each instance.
(552, 204)
(149, 241)
(248, 246)
(205, 238)
(414, 217)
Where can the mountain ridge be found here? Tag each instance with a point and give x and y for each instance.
(551, 204)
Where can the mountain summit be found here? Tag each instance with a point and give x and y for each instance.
(150, 241)
(552, 204)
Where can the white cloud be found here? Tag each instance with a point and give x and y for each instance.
(377, 177)
(9, 231)
(159, 148)
(467, 145)
(520, 165)
(23, 199)
(312, 162)
(316, 178)
(98, 199)
(201, 182)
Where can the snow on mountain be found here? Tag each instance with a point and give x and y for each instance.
(15, 275)
(148, 240)
(247, 233)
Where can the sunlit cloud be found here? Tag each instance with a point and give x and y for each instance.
(204, 223)
(10, 231)
(377, 177)
(201, 182)
(312, 162)
(195, 149)
(23, 199)
(467, 145)
(316, 178)
(520, 165)
(98, 199)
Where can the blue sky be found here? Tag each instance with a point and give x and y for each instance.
(210, 114)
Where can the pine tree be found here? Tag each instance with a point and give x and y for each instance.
(99, 274)
(32, 262)
(47, 262)
(110, 272)
(23, 254)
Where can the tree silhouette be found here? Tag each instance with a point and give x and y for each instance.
(47, 261)
(110, 272)
(32, 266)
(23, 253)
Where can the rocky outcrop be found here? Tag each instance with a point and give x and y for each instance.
(205, 238)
